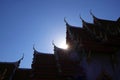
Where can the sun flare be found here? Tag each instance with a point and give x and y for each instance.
(63, 45)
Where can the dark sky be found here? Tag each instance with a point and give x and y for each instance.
(24, 23)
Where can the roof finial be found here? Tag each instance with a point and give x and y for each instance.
(22, 57)
(53, 43)
(55, 47)
(65, 20)
(18, 62)
(34, 47)
(81, 19)
(92, 13)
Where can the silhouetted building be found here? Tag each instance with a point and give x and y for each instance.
(93, 54)
(7, 70)
(98, 46)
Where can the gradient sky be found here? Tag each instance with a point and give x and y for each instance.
(24, 23)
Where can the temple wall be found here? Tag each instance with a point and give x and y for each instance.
(100, 64)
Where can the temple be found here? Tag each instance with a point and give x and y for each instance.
(93, 54)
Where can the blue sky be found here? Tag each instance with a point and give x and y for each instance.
(24, 23)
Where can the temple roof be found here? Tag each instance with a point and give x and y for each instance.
(15, 63)
(68, 65)
(10, 63)
(7, 69)
(40, 53)
(44, 66)
(43, 58)
(95, 36)
(77, 32)
(104, 21)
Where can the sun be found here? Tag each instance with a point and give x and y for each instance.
(63, 45)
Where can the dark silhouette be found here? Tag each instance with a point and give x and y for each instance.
(93, 54)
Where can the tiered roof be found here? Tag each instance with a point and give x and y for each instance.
(101, 36)
(7, 69)
(66, 62)
(44, 66)
(57, 66)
